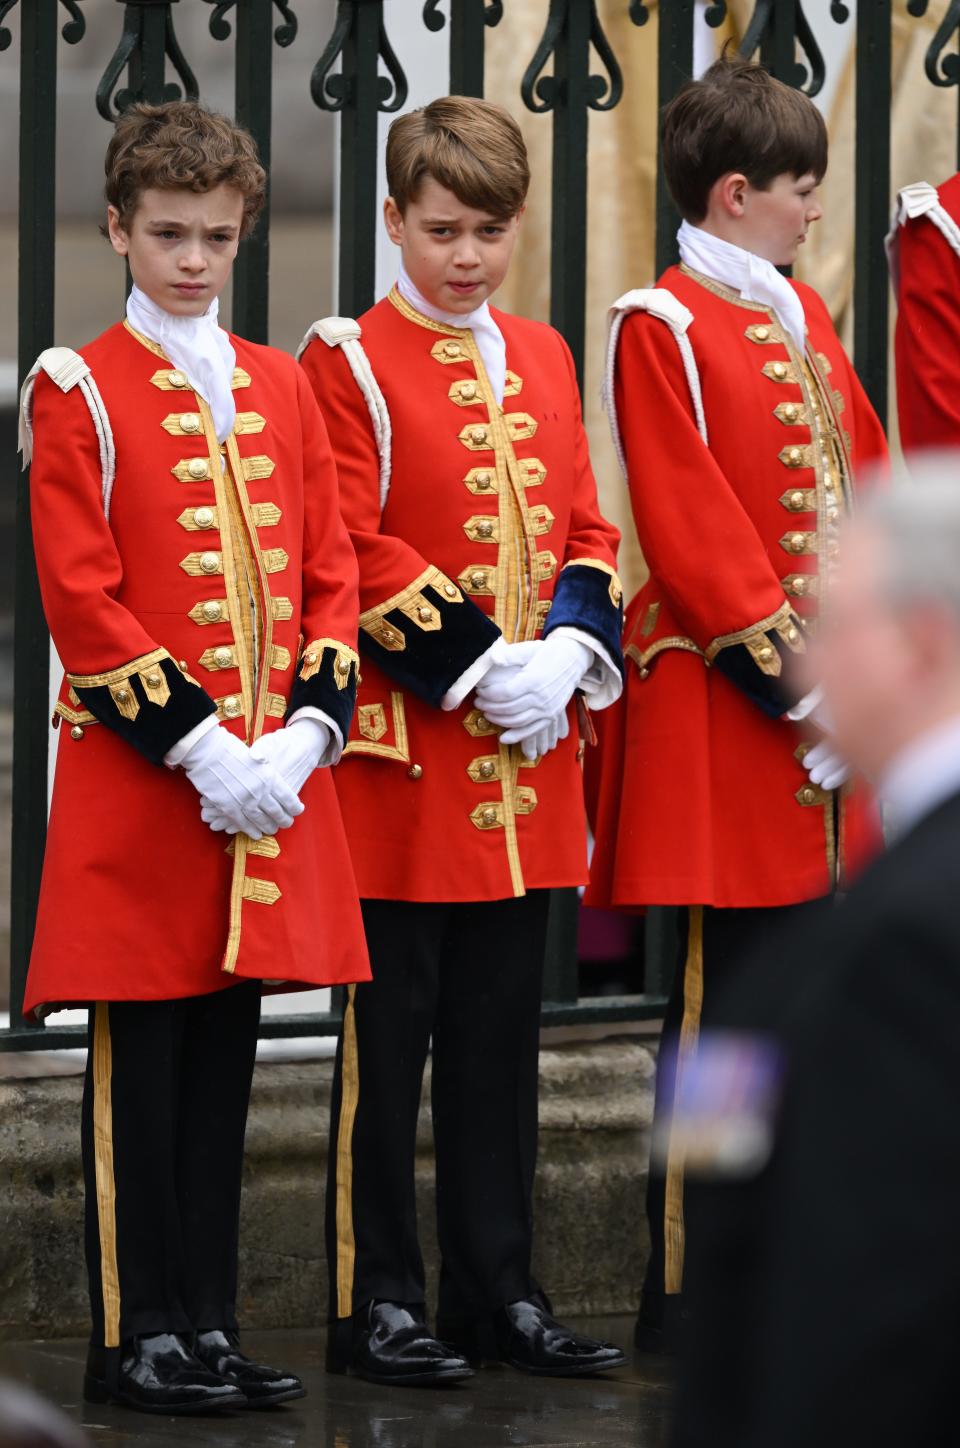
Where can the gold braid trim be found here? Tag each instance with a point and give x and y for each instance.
(347, 661)
(616, 587)
(754, 633)
(146, 669)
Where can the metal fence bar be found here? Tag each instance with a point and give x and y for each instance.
(871, 287)
(38, 130)
(254, 108)
(467, 21)
(674, 66)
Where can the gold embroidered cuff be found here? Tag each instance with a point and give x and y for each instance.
(347, 661)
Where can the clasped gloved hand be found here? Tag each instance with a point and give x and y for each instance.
(296, 751)
(238, 793)
(825, 766)
(526, 699)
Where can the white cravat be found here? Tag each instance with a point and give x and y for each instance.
(754, 278)
(922, 776)
(486, 333)
(198, 347)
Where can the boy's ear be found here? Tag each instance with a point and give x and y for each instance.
(119, 239)
(730, 192)
(393, 220)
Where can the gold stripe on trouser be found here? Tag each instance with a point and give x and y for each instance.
(103, 1167)
(673, 1228)
(349, 1095)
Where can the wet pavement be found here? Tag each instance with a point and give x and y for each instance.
(499, 1408)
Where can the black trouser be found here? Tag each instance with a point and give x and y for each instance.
(468, 976)
(164, 1115)
(710, 943)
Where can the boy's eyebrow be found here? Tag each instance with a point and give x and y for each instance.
(212, 226)
(453, 221)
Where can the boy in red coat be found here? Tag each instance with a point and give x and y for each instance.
(741, 425)
(202, 594)
(490, 605)
(924, 252)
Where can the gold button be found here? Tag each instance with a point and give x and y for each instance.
(210, 562)
(154, 681)
(487, 769)
(483, 481)
(796, 501)
(808, 795)
(468, 390)
(790, 411)
(761, 333)
(792, 635)
(479, 435)
(425, 614)
(177, 379)
(482, 721)
(197, 468)
(415, 771)
(182, 666)
(343, 667)
(452, 349)
(76, 732)
(212, 610)
(310, 657)
(450, 590)
(794, 457)
(485, 529)
(203, 517)
(190, 422)
(799, 585)
(779, 369)
(231, 706)
(478, 580)
(798, 542)
(223, 657)
(765, 654)
(122, 695)
(489, 816)
(644, 673)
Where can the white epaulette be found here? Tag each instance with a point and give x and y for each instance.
(920, 199)
(68, 370)
(660, 303)
(344, 332)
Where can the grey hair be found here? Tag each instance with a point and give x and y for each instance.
(917, 511)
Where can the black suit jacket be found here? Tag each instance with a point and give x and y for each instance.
(825, 1290)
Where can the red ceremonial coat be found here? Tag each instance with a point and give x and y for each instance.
(927, 337)
(194, 597)
(698, 792)
(491, 523)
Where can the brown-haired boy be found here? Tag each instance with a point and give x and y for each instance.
(740, 425)
(490, 599)
(184, 505)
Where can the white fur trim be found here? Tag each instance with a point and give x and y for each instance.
(660, 303)
(344, 332)
(68, 370)
(919, 199)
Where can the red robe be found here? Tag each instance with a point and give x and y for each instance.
(927, 338)
(491, 522)
(699, 795)
(195, 597)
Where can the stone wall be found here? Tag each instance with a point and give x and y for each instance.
(595, 1112)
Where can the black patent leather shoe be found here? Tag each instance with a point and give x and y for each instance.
(394, 1345)
(531, 1339)
(158, 1374)
(261, 1386)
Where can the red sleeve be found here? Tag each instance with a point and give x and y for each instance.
(697, 539)
(927, 338)
(123, 676)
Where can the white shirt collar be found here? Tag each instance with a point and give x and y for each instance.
(756, 279)
(198, 347)
(922, 776)
(486, 333)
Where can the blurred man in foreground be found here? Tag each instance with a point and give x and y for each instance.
(822, 1124)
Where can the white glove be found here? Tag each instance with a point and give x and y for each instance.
(825, 766)
(238, 793)
(294, 752)
(546, 737)
(534, 694)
